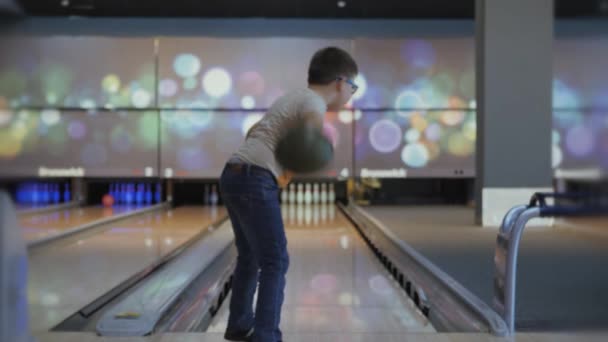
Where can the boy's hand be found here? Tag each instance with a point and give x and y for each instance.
(285, 178)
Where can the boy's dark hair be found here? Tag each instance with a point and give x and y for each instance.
(330, 63)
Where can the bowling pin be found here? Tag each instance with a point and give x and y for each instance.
(331, 197)
(300, 194)
(213, 197)
(292, 194)
(323, 193)
(316, 197)
(308, 194)
(284, 196)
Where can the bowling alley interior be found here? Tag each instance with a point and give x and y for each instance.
(466, 198)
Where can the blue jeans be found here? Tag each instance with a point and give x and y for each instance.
(251, 196)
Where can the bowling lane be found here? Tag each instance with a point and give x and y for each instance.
(334, 283)
(66, 276)
(40, 225)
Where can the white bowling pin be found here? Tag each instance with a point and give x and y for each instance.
(213, 197)
(323, 193)
(316, 196)
(315, 215)
(284, 196)
(300, 194)
(292, 194)
(331, 197)
(308, 194)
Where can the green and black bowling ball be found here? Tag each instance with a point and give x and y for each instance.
(304, 149)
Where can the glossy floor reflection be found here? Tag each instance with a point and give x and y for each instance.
(67, 275)
(41, 225)
(334, 283)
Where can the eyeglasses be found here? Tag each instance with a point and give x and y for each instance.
(350, 82)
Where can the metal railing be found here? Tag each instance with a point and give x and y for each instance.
(511, 231)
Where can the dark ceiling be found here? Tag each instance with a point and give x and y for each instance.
(406, 9)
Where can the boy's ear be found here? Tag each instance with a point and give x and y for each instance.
(339, 85)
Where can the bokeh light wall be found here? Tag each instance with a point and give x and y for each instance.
(179, 106)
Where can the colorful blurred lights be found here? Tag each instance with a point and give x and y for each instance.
(77, 130)
(412, 135)
(361, 82)
(433, 132)
(557, 156)
(459, 145)
(579, 141)
(418, 54)
(217, 82)
(141, 98)
(556, 137)
(249, 121)
(346, 116)
(167, 88)
(385, 136)
(415, 155)
(248, 102)
(50, 117)
(251, 82)
(187, 65)
(111, 84)
(51, 98)
(189, 83)
(408, 102)
(5, 117)
(452, 118)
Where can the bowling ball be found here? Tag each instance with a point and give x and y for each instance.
(107, 200)
(304, 149)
